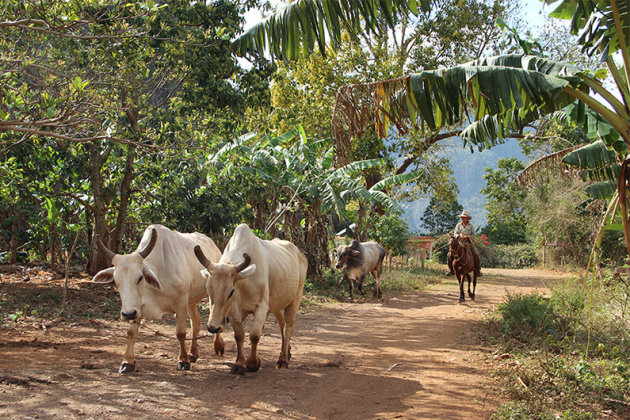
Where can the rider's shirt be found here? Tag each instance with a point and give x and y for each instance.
(469, 229)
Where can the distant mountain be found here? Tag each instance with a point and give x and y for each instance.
(468, 169)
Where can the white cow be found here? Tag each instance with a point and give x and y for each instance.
(259, 277)
(172, 284)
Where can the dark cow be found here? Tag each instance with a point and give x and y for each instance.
(358, 259)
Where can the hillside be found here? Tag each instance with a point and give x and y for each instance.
(468, 169)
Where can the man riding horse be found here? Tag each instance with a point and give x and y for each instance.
(464, 227)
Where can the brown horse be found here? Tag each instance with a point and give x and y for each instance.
(463, 264)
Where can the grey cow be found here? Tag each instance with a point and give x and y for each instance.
(358, 259)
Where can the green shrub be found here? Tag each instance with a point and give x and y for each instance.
(508, 256)
(525, 315)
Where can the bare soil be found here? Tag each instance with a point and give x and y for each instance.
(412, 355)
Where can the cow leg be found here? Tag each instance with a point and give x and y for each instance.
(351, 286)
(195, 322)
(253, 361)
(129, 361)
(282, 324)
(378, 292)
(180, 333)
(290, 314)
(361, 280)
(239, 336)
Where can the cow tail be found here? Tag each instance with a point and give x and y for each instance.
(381, 257)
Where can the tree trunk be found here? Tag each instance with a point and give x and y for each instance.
(97, 261)
(13, 241)
(125, 193)
(53, 245)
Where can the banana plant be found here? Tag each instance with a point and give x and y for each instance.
(304, 166)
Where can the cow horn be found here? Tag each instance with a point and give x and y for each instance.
(201, 256)
(244, 264)
(147, 249)
(107, 253)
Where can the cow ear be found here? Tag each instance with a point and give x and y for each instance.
(355, 253)
(151, 278)
(104, 276)
(205, 273)
(247, 271)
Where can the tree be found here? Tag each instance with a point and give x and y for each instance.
(506, 218)
(114, 90)
(440, 218)
(391, 232)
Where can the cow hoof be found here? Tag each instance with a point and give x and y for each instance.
(126, 367)
(192, 358)
(282, 364)
(183, 366)
(253, 367)
(237, 370)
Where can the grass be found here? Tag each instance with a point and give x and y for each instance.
(332, 289)
(545, 361)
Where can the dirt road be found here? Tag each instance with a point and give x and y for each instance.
(414, 355)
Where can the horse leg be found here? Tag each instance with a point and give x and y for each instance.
(472, 296)
(460, 279)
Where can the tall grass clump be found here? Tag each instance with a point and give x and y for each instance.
(526, 315)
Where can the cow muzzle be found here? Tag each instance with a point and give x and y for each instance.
(129, 316)
(213, 330)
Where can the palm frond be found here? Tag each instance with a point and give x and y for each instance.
(301, 24)
(596, 162)
(602, 190)
(503, 93)
(394, 180)
(595, 21)
(386, 202)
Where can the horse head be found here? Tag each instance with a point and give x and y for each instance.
(453, 244)
(465, 240)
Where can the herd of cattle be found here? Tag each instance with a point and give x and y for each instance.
(170, 272)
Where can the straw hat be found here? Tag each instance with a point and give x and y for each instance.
(465, 215)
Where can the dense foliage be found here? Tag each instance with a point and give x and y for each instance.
(440, 218)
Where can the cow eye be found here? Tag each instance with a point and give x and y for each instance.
(231, 293)
(139, 280)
